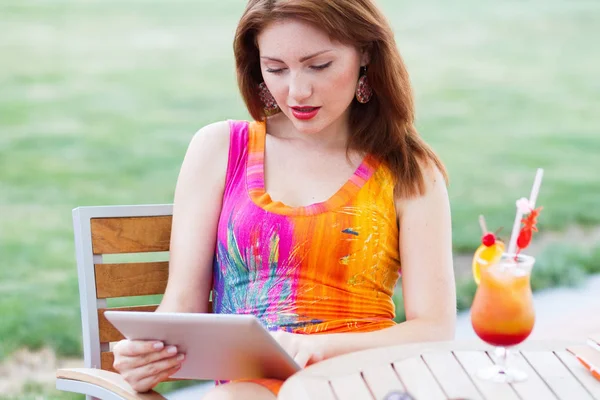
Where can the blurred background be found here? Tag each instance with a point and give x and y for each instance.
(100, 98)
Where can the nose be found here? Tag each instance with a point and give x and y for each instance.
(300, 87)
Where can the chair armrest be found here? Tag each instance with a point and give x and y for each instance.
(110, 381)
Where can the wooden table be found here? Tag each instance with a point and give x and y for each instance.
(432, 371)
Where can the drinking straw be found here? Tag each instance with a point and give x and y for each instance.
(520, 211)
(482, 224)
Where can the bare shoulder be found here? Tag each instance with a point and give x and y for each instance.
(211, 139)
(205, 162)
(209, 150)
(196, 210)
(435, 182)
(434, 195)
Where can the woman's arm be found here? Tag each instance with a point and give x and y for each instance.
(196, 210)
(427, 276)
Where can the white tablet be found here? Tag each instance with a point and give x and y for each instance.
(217, 346)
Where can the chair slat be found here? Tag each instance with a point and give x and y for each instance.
(108, 333)
(107, 359)
(131, 279)
(130, 234)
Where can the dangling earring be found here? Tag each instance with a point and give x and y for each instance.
(269, 103)
(364, 91)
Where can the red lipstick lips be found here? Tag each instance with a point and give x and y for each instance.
(305, 112)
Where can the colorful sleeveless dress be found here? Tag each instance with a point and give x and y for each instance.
(329, 267)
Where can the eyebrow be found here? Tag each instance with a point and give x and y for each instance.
(305, 58)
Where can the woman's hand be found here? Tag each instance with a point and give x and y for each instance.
(144, 364)
(304, 349)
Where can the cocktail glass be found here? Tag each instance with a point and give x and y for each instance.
(502, 312)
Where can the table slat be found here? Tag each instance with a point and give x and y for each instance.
(418, 380)
(556, 375)
(307, 388)
(452, 378)
(534, 388)
(382, 379)
(583, 375)
(350, 387)
(444, 370)
(473, 361)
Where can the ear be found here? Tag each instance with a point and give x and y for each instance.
(365, 56)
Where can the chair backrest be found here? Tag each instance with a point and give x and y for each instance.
(101, 232)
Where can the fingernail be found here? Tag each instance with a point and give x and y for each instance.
(158, 345)
(180, 357)
(172, 350)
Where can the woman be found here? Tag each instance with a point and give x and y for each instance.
(306, 217)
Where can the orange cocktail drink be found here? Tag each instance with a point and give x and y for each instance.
(502, 313)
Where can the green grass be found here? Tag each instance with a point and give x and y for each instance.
(99, 100)
(558, 265)
(37, 391)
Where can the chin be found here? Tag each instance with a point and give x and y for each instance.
(308, 127)
(308, 130)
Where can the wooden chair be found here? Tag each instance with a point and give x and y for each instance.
(112, 230)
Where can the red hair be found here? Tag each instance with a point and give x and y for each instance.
(384, 127)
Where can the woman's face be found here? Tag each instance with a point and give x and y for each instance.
(312, 79)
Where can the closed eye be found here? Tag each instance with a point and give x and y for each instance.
(313, 67)
(322, 66)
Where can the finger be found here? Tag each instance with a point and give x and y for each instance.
(150, 382)
(302, 358)
(286, 340)
(123, 363)
(133, 348)
(316, 357)
(157, 368)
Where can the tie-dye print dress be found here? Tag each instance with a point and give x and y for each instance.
(328, 267)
